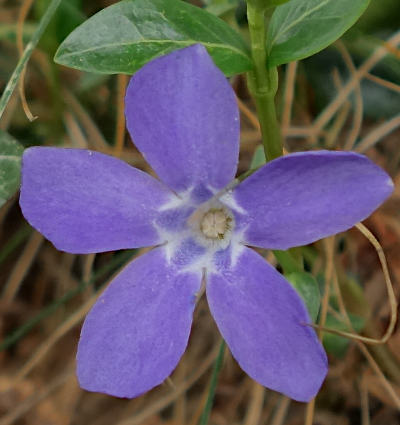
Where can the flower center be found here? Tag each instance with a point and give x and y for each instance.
(212, 225)
(215, 223)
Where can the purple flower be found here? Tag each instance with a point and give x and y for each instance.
(182, 115)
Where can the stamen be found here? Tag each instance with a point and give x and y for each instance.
(215, 223)
(212, 225)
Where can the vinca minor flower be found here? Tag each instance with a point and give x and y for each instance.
(182, 115)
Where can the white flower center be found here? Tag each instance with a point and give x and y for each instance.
(212, 224)
(215, 223)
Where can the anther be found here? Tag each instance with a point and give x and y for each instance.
(215, 223)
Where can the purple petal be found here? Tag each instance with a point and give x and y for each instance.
(263, 319)
(303, 197)
(85, 201)
(137, 331)
(182, 115)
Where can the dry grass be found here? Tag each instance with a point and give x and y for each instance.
(37, 382)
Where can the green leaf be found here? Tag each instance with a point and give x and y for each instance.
(272, 3)
(301, 28)
(125, 36)
(220, 7)
(335, 344)
(307, 286)
(265, 4)
(289, 262)
(10, 166)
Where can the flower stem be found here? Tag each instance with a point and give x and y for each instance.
(27, 54)
(263, 81)
(213, 384)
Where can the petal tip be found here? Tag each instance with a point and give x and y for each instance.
(93, 386)
(304, 392)
(197, 48)
(390, 183)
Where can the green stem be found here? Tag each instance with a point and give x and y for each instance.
(213, 384)
(13, 81)
(263, 82)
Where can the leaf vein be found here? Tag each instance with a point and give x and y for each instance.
(299, 19)
(179, 42)
(10, 157)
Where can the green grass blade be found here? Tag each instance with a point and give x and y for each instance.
(213, 385)
(13, 81)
